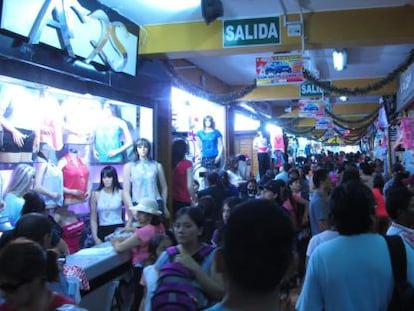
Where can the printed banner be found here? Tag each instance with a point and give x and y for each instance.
(323, 123)
(407, 129)
(279, 69)
(311, 108)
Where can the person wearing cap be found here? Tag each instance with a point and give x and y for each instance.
(149, 217)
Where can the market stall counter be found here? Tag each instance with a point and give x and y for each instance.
(97, 270)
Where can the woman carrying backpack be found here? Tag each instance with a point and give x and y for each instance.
(187, 274)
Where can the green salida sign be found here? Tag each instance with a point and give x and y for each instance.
(308, 89)
(254, 31)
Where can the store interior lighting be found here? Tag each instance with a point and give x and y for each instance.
(339, 59)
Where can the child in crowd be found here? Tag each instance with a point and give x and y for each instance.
(228, 205)
(157, 245)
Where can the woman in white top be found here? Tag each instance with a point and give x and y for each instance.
(141, 179)
(106, 205)
(48, 178)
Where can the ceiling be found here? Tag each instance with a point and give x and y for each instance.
(237, 68)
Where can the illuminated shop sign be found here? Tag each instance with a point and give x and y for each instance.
(66, 25)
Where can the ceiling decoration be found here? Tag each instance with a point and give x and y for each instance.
(361, 90)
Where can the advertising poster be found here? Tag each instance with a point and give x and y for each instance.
(279, 69)
(407, 129)
(409, 160)
(311, 108)
(323, 123)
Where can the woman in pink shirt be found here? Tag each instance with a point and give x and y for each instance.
(148, 215)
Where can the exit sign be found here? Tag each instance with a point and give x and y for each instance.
(308, 89)
(254, 31)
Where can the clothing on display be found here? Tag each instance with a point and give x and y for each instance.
(75, 176)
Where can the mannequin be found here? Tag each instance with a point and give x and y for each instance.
(18, 120)
(21, 181)
(141, 179)
(112, 137)
(48, 178)
(210, 144)
(76, 184)
(262, 146)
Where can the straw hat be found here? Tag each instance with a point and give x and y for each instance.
(149, 206)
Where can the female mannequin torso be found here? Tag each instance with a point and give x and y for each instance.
(75, 178)
(48, 180)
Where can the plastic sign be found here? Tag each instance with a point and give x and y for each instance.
(405, 94)
(308, 89)
(279, 69)
(255, 31)
(311, 108)
(323, 123)
(66, 25)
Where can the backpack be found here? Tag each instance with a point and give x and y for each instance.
(403, 294)
(175, 287)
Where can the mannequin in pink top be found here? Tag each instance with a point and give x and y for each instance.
(77, 190)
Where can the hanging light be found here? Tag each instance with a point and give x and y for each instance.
(339, 59)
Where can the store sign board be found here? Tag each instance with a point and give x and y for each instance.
(311, 108)
(308, 89)
(323, 123)
(66, 25)
(405, 94)
(407, 128)
(279, 69)
(254, 31)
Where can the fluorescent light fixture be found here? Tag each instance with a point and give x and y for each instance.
(249, 108)
(343, 98)
(339, 59)
(172, 6)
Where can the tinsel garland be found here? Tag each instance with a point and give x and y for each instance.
(365, 124)
(361, 90)
(295, 132)
(364, 119)
(189, 87)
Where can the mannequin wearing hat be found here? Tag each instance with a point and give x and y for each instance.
(148, 215)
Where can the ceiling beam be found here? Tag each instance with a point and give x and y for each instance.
(286, 92)
(333, 29)
(356, 109)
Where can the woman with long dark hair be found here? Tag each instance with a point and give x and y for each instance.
(106, 205)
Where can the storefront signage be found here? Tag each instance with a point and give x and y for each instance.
(279, 69)
(66, 25)
(311, 108)
(405, 94)
(255, 31)
(308, 89)
(407, 129)
(323, 123)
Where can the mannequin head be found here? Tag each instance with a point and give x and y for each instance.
(208, 122)
(22, 179)
(142, 148)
